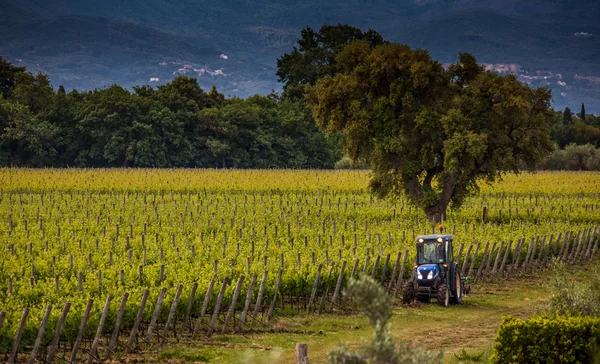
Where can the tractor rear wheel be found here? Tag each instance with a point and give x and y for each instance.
(457, 292)
(408, 293)
(443, 295)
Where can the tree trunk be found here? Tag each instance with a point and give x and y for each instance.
(437, 212)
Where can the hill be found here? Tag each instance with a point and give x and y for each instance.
(546, 50)
(89, 44)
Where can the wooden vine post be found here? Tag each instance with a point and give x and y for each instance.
(338, 286)
(94, 349)
(171, 316)
(248, 301)
(236, 294)
(15, 349)
(81, 331)
(313, 292)
(115, 334)
(138, 321)
(40, 335)
(57, 332)
(213, 321)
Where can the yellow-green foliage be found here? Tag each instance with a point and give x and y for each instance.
(268, 219)
(226, 180)
(543, 339)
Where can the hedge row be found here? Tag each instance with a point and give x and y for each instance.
(547, 339)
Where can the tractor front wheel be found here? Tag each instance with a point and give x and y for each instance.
(408, 293)
(443, 295)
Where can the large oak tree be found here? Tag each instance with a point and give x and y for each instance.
(315, 54)
(428, 132)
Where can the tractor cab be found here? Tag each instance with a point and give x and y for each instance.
(434, 249)
(435, 274)
(434, 253)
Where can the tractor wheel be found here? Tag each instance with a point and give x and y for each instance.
(457, 293)
(443, 295)
(408, 293)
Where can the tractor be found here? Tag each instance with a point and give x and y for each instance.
(435, 273)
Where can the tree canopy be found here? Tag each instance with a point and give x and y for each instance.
(431, 133)
(8, 72)
(315, 56)
(176, 125)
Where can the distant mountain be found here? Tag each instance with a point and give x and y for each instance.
(83, 52)
(87, 44)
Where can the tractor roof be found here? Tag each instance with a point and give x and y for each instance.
(436, 236)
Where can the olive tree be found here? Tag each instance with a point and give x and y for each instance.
(375, 303)
(431, 133)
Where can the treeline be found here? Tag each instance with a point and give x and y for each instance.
(175, 125)
(573, 158)
(181, 125)
(577, 137)
(577, 129)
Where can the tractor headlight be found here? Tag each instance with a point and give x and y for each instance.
(430, 275)
(419, 275)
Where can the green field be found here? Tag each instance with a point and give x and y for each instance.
(75, 235)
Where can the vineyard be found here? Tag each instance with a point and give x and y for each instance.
(99, 262)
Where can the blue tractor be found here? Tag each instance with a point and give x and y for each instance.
(435, 274)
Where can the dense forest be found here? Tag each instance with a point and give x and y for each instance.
(175, 125)
(181, 125)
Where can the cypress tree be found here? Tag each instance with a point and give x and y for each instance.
(567, 117)
(582, 115)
